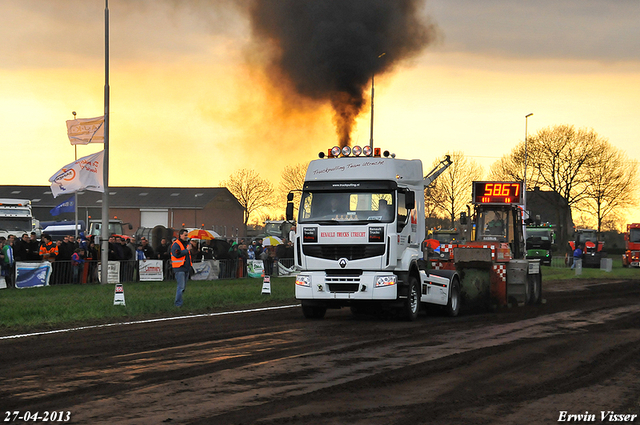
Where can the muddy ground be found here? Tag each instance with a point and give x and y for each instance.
(577, 353)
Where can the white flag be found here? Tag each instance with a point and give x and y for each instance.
(85, 173)
(83, 131)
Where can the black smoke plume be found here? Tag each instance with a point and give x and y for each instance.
(328, 50)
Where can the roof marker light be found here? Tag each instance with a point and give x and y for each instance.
(335, 151)
(346, 150)
(357, 150)
(366, 150)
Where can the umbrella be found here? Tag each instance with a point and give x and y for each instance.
(271, 241)
(202, 234)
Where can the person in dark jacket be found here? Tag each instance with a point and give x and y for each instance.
(21, 248)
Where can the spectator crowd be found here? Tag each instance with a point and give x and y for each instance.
(76, 260)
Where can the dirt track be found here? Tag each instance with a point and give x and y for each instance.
(578, 352)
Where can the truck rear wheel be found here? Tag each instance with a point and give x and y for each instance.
(411, 306)
(536, 290)
(313, 311)
(453, 306)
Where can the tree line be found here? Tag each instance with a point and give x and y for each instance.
(597, 180)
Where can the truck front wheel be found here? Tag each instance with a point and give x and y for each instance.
(453, 306)
(411, 306)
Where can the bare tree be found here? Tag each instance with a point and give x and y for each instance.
(432, 199)
(292, 180)
(579, 165)
(452, 190)
(611, 183)
(251, 190)
(560, 156)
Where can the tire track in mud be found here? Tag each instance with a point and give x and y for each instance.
(462, 351)
(278, 368)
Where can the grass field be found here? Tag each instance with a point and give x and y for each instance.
(54, 306)
(66, 305)
(565, 273)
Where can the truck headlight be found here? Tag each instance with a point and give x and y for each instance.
(303, 280)
(385, 280)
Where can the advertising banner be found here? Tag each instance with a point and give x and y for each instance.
(31, 275)
(113, 272)
(255, 268)
(83, 131)
(150, 270)
(84, 173)
(206, 270)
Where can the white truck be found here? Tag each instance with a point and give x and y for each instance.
(359, 234)
(16, 218)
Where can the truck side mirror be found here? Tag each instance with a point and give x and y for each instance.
(463, 218)
(289, 197)
(289, 213)
(410, 200)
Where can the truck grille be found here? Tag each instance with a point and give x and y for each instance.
(350, 252)
(343, 284)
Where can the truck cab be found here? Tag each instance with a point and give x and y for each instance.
(359, 232)
(631, 256)
(16, 218)
(541, 241)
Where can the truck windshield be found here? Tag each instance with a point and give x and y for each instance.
(13, 224)
(589, 236)
(542, 234)
(494, 225)
(445, 237)
(370, 206)
(539, 238)
(634, 235)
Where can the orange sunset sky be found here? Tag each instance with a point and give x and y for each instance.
(190, 103)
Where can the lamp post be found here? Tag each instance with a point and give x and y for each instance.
(526, 155)
(371, 132)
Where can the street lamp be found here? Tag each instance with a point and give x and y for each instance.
(371, 132)
(526, 154)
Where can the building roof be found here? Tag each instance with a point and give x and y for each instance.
(124, 197)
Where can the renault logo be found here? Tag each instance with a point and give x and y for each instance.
(342, 262)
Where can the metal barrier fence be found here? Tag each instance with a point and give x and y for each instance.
(63, 272)
(560, 262)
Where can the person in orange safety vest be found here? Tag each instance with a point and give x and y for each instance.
(181, 263)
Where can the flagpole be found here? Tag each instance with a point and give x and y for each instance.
(75, 199)
(104, 230)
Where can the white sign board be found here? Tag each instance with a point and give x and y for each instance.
(150, 270)
(113, 274)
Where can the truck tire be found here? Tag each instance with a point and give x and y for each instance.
(453, 306)
(528, 291)
(536, 290)
(313, 311)
(411, 306)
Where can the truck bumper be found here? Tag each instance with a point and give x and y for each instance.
(345, 290)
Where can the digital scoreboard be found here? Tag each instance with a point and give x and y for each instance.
(497, 193)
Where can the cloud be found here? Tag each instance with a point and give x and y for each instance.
(70, 33)
(570, 29)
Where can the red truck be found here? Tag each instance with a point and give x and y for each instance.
(631, 257)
